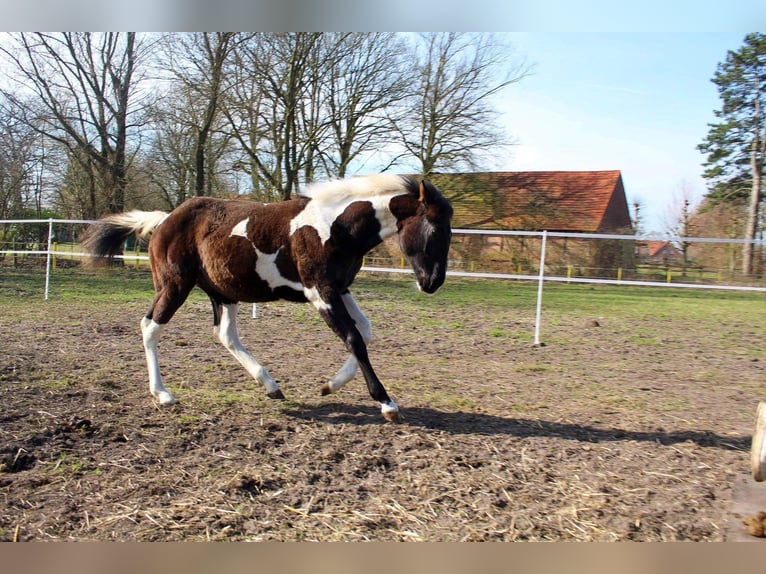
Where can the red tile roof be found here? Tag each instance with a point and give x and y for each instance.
(654, 249)
(580, 201)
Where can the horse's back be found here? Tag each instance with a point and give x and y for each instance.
(215, 243)
(210, 219)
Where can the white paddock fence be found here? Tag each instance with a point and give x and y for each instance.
(540, 256)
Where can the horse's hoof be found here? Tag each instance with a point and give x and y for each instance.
(165, 398)
(326, 389)
(392, 416)
(276, 394)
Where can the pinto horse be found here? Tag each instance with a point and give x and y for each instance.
(307, 249)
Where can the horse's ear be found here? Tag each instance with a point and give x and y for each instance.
(422, 197)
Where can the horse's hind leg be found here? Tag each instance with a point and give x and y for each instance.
(227, 333)
(166, 303)
(151, 331)
(350, 367)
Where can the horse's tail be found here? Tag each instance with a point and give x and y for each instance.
(105, 237)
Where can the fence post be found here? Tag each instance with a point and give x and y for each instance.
(540, 279)
(48, 260)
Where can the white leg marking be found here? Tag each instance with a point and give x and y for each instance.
(344, 375)
(316, 299)
(349, 368)
(229, 337)
(389, 408)
(151, 333)
(362, 322)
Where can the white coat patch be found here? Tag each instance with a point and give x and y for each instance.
(321, 214)
(240, 229)
(266, 267)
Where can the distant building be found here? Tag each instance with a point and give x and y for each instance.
(658, 252)
(566, 201)
(571, 201)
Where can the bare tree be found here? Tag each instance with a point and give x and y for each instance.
(637, 216)
(253, 121)
(77, 89)
(284, 80)
(681, 221)
(274, 114)
(169, 156)
(279, 108)
(197, 61)
(364, 80)
(451, 119)
(20, 158)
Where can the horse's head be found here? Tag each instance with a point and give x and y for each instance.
(425, 237)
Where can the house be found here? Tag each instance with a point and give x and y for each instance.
(658, 252)
(565, 201)
(570, 201)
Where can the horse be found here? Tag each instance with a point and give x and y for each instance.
(306, 249)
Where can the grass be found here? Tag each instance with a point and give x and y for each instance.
(567, 299)
(75, 285)
(450, 402)
(561, 302)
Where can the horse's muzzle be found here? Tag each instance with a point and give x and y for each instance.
(430, 283)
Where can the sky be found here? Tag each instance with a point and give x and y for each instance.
(637, 102)
(614, 85)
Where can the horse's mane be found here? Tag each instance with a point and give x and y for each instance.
(360, 187)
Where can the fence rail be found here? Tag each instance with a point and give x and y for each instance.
(587, 258)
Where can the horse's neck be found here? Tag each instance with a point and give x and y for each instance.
(371, 227)
(391, 210)
(368, 233)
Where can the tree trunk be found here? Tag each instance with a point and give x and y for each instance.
(122, 86)
(756, 164)
(199, 164)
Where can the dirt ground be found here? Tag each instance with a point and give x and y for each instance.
(616, 429)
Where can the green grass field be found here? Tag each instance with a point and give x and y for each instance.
(128, 284)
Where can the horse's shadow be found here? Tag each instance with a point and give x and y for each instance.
(460, 423)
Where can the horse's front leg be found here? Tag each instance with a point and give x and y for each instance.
(350, 367)
(333, 310)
